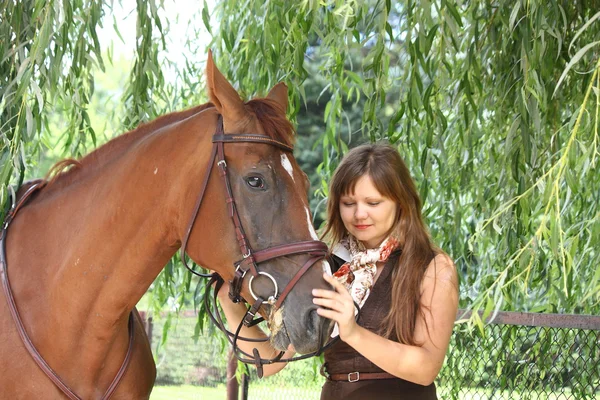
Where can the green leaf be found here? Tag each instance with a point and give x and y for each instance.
(206, 17)
(572, 62)
(513, 15)
(452, 8)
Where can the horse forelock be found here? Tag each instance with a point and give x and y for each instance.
(273, 120)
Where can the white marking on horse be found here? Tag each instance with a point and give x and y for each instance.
(155, 170)
(311, 228)
(287, 165)
(324, 264)
(326, 267)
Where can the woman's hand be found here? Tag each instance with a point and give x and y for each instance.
(339, 307)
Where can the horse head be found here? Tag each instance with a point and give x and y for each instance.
(256, 216)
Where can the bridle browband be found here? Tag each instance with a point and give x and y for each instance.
(317, 250)
(35, 355)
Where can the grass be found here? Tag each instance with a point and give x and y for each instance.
(283, 393)
(188, 392)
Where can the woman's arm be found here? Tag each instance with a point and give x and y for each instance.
(418, 364)
(234, 314)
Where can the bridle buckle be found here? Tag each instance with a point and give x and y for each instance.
(354, 379)
(244, 271)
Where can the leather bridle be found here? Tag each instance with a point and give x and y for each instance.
(317, 250)
(35, 355)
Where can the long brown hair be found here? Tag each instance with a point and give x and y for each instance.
(385, 167)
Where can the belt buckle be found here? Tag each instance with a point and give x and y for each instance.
(351, 379)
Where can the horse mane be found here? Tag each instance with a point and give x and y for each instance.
(118, 145)
(59, 169)
(269, 113)
(273, 120)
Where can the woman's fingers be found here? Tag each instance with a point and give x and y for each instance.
(329, 303)
(333, 282)
(330, 314)
(326, 294)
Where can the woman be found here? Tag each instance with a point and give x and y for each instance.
(384, 261)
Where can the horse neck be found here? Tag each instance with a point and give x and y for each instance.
(108, 235)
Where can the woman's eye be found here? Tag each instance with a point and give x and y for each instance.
(255, 182)
(348, 204)
(374, 203)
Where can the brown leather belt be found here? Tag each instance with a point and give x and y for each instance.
(361, 376)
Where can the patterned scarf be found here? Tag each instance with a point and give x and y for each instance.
(358, 273)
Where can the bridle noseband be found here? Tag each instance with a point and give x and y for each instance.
(317, 250)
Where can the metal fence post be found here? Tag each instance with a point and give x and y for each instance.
(232, 383)
(245, 381)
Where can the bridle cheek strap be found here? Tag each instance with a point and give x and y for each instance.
(251, 258)
(296, 278)
(316, 249)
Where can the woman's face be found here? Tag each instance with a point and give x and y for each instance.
(367, 214)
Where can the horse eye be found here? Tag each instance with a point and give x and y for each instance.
(255, 182)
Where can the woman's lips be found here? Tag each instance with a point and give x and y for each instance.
(361, 227)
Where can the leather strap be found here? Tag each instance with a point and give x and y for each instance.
(316, 250)
(311, 261)
(360, 376)
(312, 246)
(250, 137)
(188, 231)
(37, 185)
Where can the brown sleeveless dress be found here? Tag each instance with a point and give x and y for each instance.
(343, 359)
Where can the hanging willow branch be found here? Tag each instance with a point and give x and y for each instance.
(493, 105)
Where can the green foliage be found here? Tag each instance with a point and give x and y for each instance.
(146, 81)
(48, 52)
(494, 106)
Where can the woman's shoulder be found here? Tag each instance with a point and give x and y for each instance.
(442, 269)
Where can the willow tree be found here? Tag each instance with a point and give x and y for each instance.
(493, 104)
(49, 54)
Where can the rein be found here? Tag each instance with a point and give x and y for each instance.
(250, 258)
(249, 321)
(35, 355)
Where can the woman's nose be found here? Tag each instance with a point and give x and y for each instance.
(360, 212)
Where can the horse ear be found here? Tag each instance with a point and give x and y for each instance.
(279, 93)
(220, 92)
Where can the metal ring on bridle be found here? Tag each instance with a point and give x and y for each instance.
(271, 299)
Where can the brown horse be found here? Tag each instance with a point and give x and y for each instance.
(82, 250)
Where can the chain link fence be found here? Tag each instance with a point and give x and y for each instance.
(183, 356)
(524, 356)
(516, 356)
